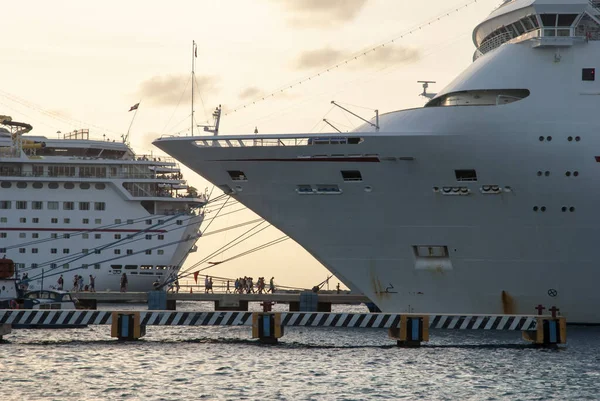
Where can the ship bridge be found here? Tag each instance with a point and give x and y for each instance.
(548, 22)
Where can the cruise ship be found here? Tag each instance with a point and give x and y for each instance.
(78, 206)
(482, 201)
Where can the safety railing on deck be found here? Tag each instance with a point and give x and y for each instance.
(278, 141)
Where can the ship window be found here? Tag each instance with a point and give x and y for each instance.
(482, 97)
(5, 204)
(23, 220)
(588, 74)
(84, 205)
(117, 251)
(527, 24)
(131, 266)
(548, 19)
(5, 184)
(304, 189)
(426, 251)
(21, 204)
(84, 185)
(35, 235)
(54, 220)
(21, 185)
(566, 19)
(129, 252)
(69, 185)
(97, 266)
(52, 205)
(53, 185)
(53, 250)
(99, 185)
(38, 185)
(37, 205)
(35, 220)
(85, 236)
(148, 251)
(237, 175)
(68, 205)
(116, 267)
(99, 206)
(98, 221)
(328, 189)
(351, 175)
(465, 175)
(117, 236)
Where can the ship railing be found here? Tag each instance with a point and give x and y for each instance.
(545, 32)
(278, 141)
(174, 177)
(164, 161)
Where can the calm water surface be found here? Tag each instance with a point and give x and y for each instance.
(182, 363)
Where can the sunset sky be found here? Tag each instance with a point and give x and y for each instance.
(73, 64)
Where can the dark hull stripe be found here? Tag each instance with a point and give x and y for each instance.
(310, 159)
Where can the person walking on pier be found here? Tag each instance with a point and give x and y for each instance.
(206, 284)
(60, 282)
(124, 282)
(75, 281)
(92, 285)
(228, 291)
(80, 283)
(272, 285)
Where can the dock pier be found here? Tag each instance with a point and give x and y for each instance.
(409, 330)
(161, 300)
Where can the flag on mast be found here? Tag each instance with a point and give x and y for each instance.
(134, 107)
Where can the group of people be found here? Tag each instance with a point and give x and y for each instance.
(246, 285)
(78, 284)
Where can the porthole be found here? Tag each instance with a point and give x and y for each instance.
(435, 189)
(571, 209)
(100, 185)
(541, 139)
(568, 173)
(543, 208)
(535, 208)
(577, 138)
(564, 208)
(570, 139)
(5, 184)
(547, 173)
(69, 185)
(21, 185)
(84, 185)
(53, 185)
(368, 189)
(539, 173)
(549, 138)
(576, 173)
(37, 185)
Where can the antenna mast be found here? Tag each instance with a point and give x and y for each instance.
(194, 55)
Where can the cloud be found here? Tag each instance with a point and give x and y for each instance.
(327, 57)
(322, 13)
(319, 58)
(251, 92)
(167, 90)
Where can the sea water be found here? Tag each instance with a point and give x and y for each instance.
(224, 363)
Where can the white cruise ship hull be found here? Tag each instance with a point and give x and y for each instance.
(413, 234)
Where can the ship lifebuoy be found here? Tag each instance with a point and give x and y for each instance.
(13, 304)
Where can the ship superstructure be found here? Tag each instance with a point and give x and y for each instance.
(482, 201)
(79, 206)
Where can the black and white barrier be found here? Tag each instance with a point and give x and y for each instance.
(407, 329)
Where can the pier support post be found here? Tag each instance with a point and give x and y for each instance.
(267, 327)
(550, 332)
(4, 330)
(412, 331)
(157, 300)
(126, 326)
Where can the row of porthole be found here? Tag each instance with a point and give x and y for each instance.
(568, 173)
(543, 209)
(52, 185)
(570, 139)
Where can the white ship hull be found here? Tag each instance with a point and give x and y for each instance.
(414, 236)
